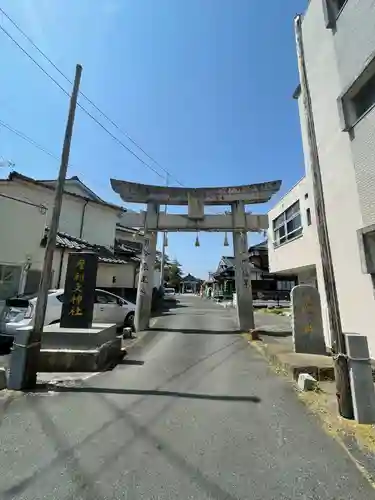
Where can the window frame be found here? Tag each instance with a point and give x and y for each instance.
(332, 12)
(308, 216)
(106, 295)
(282, 221)
(346, 101)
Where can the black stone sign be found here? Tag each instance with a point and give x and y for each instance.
(79, 293)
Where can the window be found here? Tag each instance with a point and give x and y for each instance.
(287, 226)
(365, 98)
(285, 285)
(359, 98)
(308, 216)
(306, 196)
(339, 4)
(332, 10)
(104, 298)
(9, 280)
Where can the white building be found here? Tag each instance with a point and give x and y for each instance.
(339, 46)
(86, 222)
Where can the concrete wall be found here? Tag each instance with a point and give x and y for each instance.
(124, 274)
(357, 23)
(328, 72)
(21, 230)
(333, 59)
(302, 251)
(99, 221)
(354, 38)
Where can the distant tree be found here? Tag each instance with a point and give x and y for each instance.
(167, 261)
(174, 274)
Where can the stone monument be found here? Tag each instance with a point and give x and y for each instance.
(307, 324)
(79, 292)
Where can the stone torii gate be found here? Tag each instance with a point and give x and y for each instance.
(238, 222)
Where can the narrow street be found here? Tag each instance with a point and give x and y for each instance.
(192, 413)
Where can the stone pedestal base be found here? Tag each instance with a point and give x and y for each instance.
(82, 360)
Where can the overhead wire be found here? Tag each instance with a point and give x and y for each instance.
(28, 139)
(113, 123)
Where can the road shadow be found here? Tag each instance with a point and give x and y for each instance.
(192, 331)
(169, 305)
(173, 394)
(136, 362)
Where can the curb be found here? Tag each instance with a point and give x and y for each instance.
(320, 374)
(362, 458)
(3, 379)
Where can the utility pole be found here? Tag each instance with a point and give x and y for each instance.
(162, 263)
(344, 396)
(34, 341)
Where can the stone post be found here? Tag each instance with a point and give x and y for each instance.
(245, 312)
(361, 382)
(307, 323)
(146, 272)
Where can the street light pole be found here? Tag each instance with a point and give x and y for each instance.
(34, 341)
(344, 396)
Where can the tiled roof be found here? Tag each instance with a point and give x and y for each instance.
(16, 175)
(128, 246)
(190, 278)
(65, 240)
(263, 245)
(227, 261)
(228, 265)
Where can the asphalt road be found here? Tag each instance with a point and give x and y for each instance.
(194, 413)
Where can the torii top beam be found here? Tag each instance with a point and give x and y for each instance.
(144, 193)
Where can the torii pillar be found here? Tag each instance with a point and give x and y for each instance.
(146, 272)
(245, 311)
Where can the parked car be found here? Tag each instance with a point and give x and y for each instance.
(169, 294)
(19, 312)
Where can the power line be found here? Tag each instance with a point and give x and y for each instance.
(85, 97)
(80, 105)
(29, 140)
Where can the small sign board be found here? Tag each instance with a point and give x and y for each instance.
(79, 293)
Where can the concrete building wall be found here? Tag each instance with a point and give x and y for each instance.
(21, 229)
(99, 225)
(342, 202)
(356, 23)
(333, 60)
(354, 38)
(123, 273)
(302, 251)
(99, 221)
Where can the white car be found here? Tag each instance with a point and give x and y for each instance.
(169, 294)
(19, 312)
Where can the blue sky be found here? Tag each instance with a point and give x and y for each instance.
(204, 86)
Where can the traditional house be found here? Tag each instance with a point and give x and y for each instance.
(264, 284)
(190, 284)
(86, 223)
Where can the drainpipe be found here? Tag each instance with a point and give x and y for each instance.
(61, 267)
(83, 218)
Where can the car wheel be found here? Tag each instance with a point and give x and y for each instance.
(129, 320)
